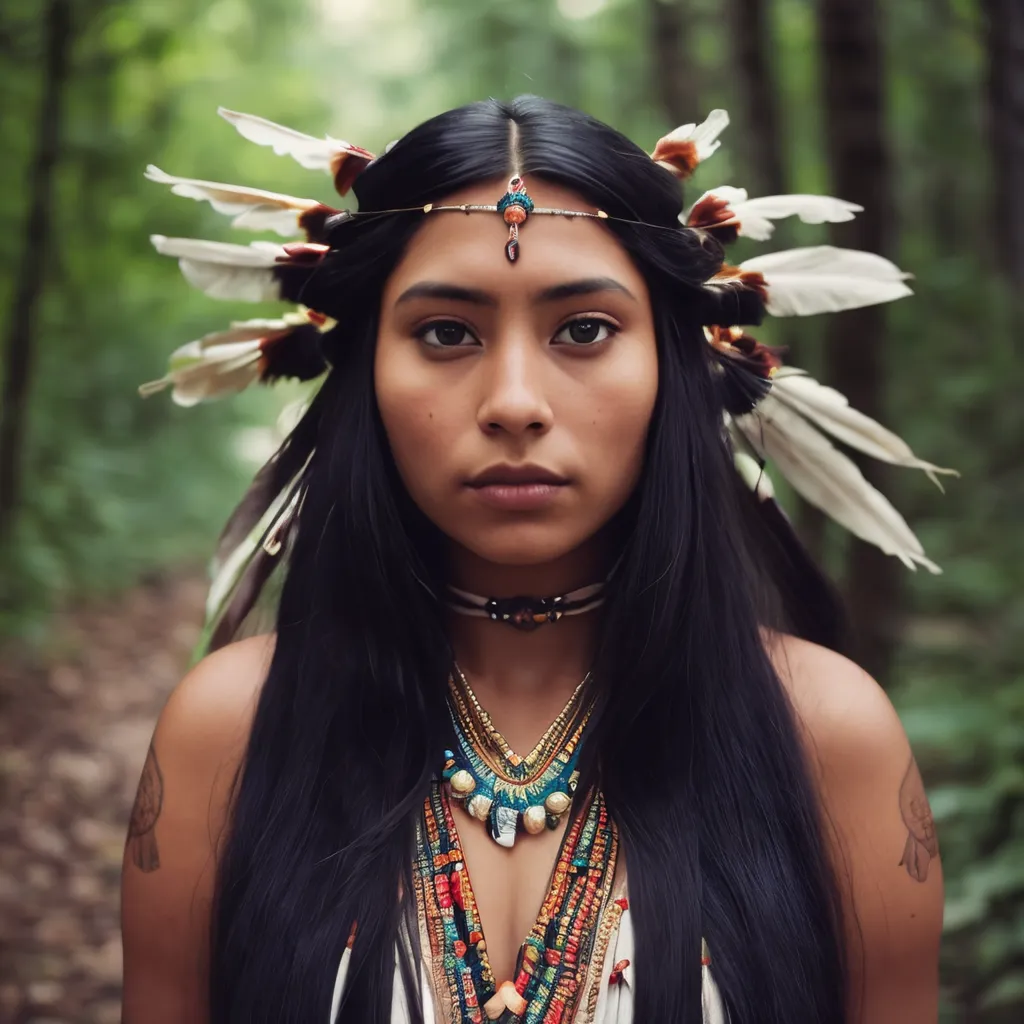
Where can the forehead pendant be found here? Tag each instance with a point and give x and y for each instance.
(515, 206)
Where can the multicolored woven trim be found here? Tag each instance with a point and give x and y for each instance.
(554, 959)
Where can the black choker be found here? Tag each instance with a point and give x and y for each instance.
(528, 613)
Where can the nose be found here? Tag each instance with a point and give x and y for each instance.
(514, 396)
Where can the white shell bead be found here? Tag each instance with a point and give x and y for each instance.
(557, 802)
(462, 782)
(534, 819)
(479, 806)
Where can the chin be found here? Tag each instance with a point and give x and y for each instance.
(521, 543)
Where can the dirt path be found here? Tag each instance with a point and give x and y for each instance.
(73, 736)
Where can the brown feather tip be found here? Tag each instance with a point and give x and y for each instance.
(751, 280)
(714, 216)
(680, 158)
(735, 343)
(313, 221)
(347, 165)
(303, 253)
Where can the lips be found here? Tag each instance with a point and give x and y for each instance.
(516, 476)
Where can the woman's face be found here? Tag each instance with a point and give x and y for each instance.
(546, 368)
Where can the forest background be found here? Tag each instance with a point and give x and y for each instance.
(913, 108)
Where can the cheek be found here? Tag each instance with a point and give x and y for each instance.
(418, 416)
(613, 427)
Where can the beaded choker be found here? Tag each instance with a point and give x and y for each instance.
(527, 613)
(498, 785)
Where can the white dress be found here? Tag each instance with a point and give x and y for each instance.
(602, 1001)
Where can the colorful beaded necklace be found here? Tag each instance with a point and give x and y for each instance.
(553, 962)
(498, 785)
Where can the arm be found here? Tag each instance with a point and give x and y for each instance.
(174, 834)
(882, 835)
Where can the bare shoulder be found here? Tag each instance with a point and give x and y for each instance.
(176, 829)
(842, 710)
(879, 827)
(215, 701)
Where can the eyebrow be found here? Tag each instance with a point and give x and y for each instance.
(456, 293)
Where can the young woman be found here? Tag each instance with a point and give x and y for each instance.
(653, 767)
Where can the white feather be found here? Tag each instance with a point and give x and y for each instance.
(197, 373)
(756, 215)
(250, 330)
(226, 271)
(230, 571)
(704, 135)
(829, 410)
(727, 193)
(824, 279)
(311, 153)
(255, 254)
(251, 208)
(829, 480)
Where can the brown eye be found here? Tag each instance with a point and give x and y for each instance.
(586, 331)
(443, 334)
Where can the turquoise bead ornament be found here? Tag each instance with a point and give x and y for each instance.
(514, 206)
(497, 785)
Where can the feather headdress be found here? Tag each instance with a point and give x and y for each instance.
(773, 413)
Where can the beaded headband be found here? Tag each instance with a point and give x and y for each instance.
(514, 206)
(771, 412)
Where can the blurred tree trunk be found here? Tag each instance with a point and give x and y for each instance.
(675, 78)
(752, 48)
(860, 170)
(19, 335)
(1006, 127)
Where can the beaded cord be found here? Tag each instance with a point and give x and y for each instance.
(498, 785)
(555, 956)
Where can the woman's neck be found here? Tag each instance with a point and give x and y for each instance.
(523, 679)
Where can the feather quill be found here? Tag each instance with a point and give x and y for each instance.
(251, 208)
(824, 279)
(829, 480)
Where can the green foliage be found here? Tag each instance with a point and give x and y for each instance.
(114, 485)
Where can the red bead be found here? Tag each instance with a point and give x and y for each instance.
(444, 896)
(552, 957)
(456, 889)
(460, 948)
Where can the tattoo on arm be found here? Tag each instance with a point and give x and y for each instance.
(922, 844)
(142, 828)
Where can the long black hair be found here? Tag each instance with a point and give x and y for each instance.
(693, 739)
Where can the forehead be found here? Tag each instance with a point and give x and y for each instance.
(470, 248)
